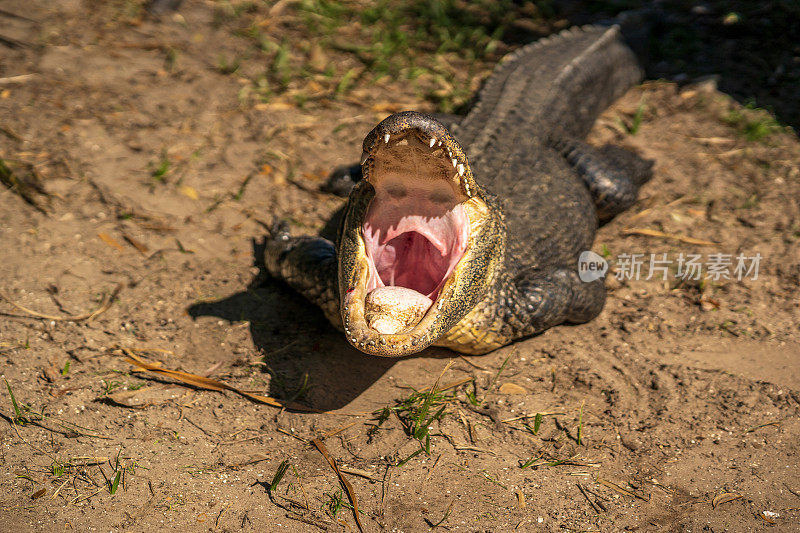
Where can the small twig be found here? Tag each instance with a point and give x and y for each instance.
(522, 417)
(614, 486)
(384, 489)
(9, 132)
(428, 473)
(796, 493)
(351, 495)
(588, 499)
(448, 386)
(86, 316)
(338, 430)
(306, 520)
(13, 15)
(82, 498)
(22, 78)
(213, 436)
(206, 383)
(473, 449)
(677, 201)
(446, 515)
(640, 214)
(14, 425)
(666, 489)
(219, 516)
(282, 348)
(360, 473)
(776, 423)
(140, 246)
(289, 433)
(468, 427)
(473, 365)
(237, 441)
(655, 233)
(59, 489)
(300, 482)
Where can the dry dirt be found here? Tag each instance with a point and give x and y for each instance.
(676, 409)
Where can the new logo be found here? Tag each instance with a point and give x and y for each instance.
(591, 266)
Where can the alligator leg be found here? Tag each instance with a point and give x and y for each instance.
(540, 300)
(308, 265)
(525, 305)
(613, 175)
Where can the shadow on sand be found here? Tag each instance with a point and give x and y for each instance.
(302, 351)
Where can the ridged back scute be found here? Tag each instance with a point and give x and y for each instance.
(555, 86)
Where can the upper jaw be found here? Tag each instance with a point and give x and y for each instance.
(429, 131)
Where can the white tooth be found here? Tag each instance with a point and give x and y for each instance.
(440, 143)
(454, 163)
(364, 156)
(386, 138)
(461, 169)
(433, 141)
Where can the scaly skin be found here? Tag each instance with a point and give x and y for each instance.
(534, 190)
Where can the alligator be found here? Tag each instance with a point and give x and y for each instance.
(469, 239)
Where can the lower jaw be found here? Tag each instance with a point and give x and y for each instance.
(399, 307)
(354, 321)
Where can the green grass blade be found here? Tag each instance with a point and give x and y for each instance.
(537, 423)
(279, 473)
(115, 483)
(407, 459)
(18, 418)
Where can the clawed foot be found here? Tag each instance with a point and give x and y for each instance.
(279, 231)
(342, 180)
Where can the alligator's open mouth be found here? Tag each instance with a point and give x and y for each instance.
(415, 230)
(404, 249)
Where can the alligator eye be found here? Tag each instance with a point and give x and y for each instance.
(395, 190)
(441, 197)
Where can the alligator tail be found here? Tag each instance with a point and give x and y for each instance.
(592, 66)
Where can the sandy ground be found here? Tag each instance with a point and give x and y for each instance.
(675, 410)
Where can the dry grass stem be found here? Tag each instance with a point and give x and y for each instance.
(655, 233)
(104, 306)
(351, 495)
(208, 383)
